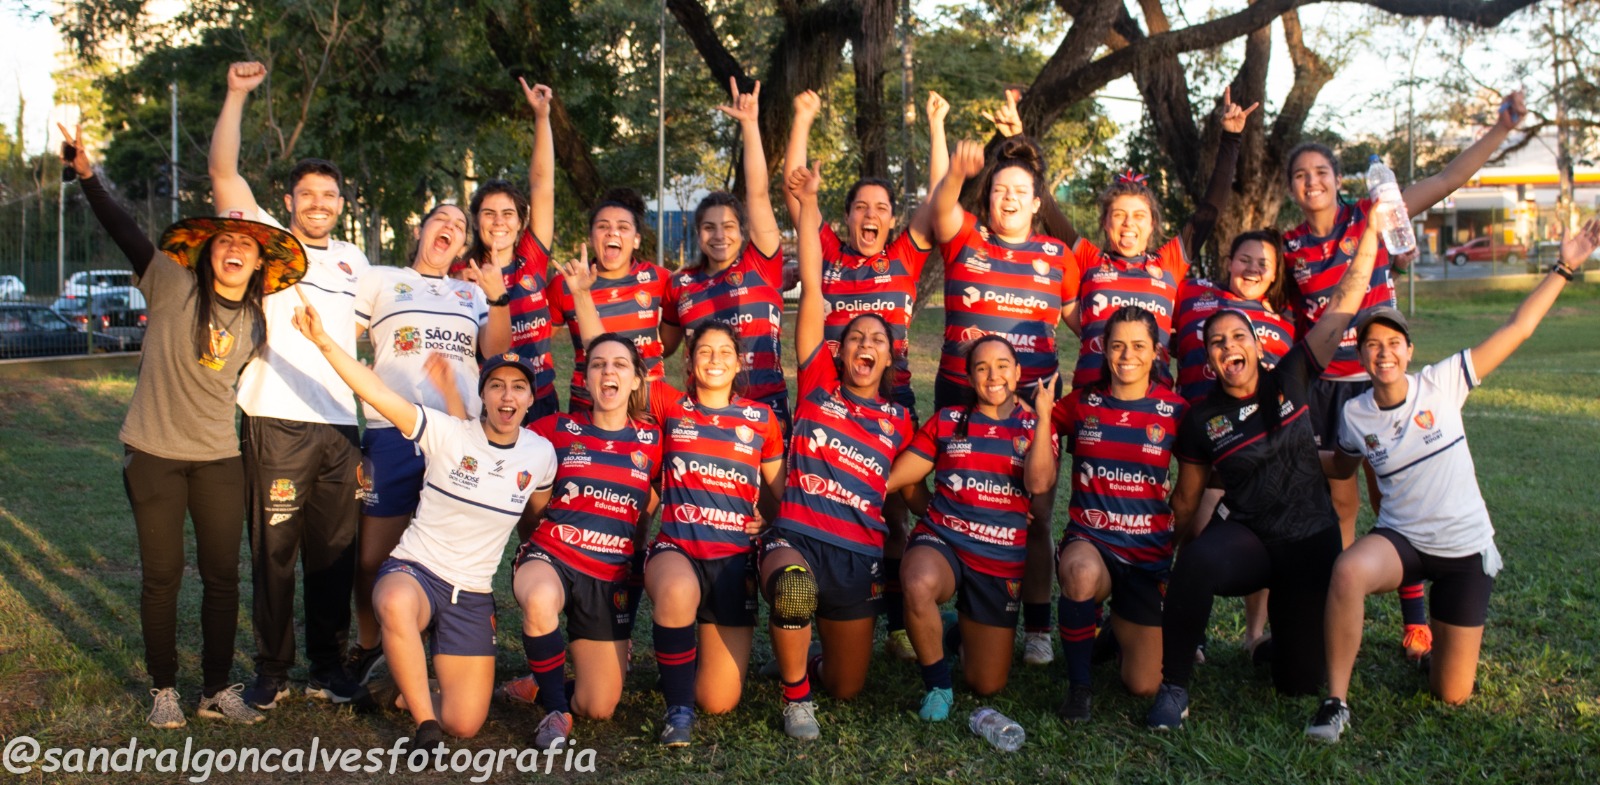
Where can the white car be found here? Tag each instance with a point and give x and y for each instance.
(97, 281)
(11, 288)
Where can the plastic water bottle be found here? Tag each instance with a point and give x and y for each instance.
(1395, 227)
(1003, 733)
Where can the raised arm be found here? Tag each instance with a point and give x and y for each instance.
(1323, 339)
(122, 227)
(1040, 467)
(763, 228)
(801, 188)
(1197, 230)
(921, 225)
(579, 278)
(945, 200)
(1488, 355)
(541, 166)
(1429, 191)
(806, 107)
(229, 190)
(362, 380)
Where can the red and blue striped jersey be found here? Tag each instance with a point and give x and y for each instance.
(1109, 281)
(839, 459)
(630, 305)
(603, 481)
(526, 280)
(1010, 289)
(749, 296)
(981, 505)
(1318, 263)
(884, 284)
(711, 469)
(1197, 301)
(1121, 454)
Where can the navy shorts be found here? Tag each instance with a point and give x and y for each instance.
(983, 598)
(391, 473)
(1460, 591)
(849, 584)
(1327, 407)
(727, 586)
(597, 610)
(460, 623)
(1136, 592)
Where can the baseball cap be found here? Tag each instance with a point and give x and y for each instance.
(1388, 315)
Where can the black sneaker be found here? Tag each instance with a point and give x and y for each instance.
(265, 692)
(1170, 710)
(1332, 717)
(332, 685)
(1076, 707)
(360, 662)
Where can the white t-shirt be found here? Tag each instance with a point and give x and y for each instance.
(473, 493)
(290, 379)
(1419, 452)
(409, 316)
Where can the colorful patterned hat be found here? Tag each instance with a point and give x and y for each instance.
(284, 257)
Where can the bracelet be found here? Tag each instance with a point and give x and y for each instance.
(1562, 270)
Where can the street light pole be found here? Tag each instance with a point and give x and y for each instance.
(173, 88)
(661, 142)
(1411, 157)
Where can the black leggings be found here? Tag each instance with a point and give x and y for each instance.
(212, 492)
(1230, 560)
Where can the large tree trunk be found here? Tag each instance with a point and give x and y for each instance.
(870, 48)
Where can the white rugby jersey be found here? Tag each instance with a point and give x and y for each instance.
(473, 493)
(408, 316)
(290, 379)
(1418, 450)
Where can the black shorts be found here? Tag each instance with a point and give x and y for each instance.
(460, 623)
(1136, 593)
(849, 584)
(1461, 589)
(1327, 406)
(727, 586)
(983, 598)
(597, 610)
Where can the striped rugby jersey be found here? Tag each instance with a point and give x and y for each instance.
(1197, 301)
(1318, 263)
(884, 284)
(630, 305)
(602, 487)
(527, 281)
(749, 295)
(1107, 282)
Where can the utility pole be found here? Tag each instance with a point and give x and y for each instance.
(908, 117)
(661, 142)
(173, 87)
(1558, 36)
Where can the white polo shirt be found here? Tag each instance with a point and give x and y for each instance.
(473, 493)
(1418, 450)
(409, 316)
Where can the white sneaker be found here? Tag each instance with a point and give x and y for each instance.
(228, 704)
(1037, 648)
(167, 712)
(800, 720)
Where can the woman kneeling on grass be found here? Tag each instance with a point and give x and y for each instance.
(181, 456)
(1432, 523)
(437, 581)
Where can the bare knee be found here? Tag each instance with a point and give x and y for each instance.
(595, 710)
(719, 704)
(984, 686)
(461, 729)
(1141, 686)
(1455, 695)
(1079, 579)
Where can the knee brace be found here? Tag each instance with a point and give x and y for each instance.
(793, 597)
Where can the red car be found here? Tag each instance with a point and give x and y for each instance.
(1483, 249)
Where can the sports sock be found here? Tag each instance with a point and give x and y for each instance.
(1077, 620)
(937, 675)
(1036, 617)
(547, 658)
(1412, 608)
(797, 691)
(677, 658)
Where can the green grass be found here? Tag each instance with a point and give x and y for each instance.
(71, 665)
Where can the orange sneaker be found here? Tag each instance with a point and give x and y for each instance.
(520, 690)
(1417, 641)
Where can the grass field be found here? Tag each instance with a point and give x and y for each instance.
(71, 671)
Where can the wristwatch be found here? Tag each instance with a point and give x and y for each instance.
(1561, 270)
(503, 300)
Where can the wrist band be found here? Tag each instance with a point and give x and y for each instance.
(1561, 270)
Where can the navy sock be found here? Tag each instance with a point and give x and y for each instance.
(1412, 610)
(547, 658)
(937, 675)
(894, 599)
(677, 658)
(1036, 617)
(1077, 620)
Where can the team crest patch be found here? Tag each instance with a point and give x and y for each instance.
(1424, 420)
(1153, 269)
(736, 278)
(886, 426)
(1020, 444)
(526, 282)
(1218, 427)
(1013, 588)
(407, 340)
(282, 491)
(619, 599)
(640, 460)
(1347, 246)
(577, 448)
(463, 294)
(344, 267)
(880, 265)
(469, 464)
(1041, 267)
(1155, 433)
(399, 288)
(523, 478)
(642, 298)
(510, 357)
(744, 432)
(1371, 440)
(876, 589)
(1091, 422)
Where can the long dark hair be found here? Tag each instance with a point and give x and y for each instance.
(1127, 314)
(886, 379)
(720, 199)
(638, 401)
(206, 298)
(1015, 152)
(1267, 389)
(477, 251)
(968, 355)
(1282, 283)
(699, 334)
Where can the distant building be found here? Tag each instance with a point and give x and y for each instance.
(1512, 202)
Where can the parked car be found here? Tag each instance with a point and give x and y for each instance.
(120, 312)
(1484, 249)
(86, 281)
(36, 331)
(11, 288)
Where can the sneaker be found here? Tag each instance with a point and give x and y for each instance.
(676, 727)
(1037, 648)
(554, 730)
(166, 713)
(936, 704)
(899, 646)
(428, 736)
(332, 685)
(360, 662)
(1076, 707)
(228, 704)
(1332, 717)
(1417, 641)
(1170, 709)
(522, 689)
(800, 720)
(265, 692)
